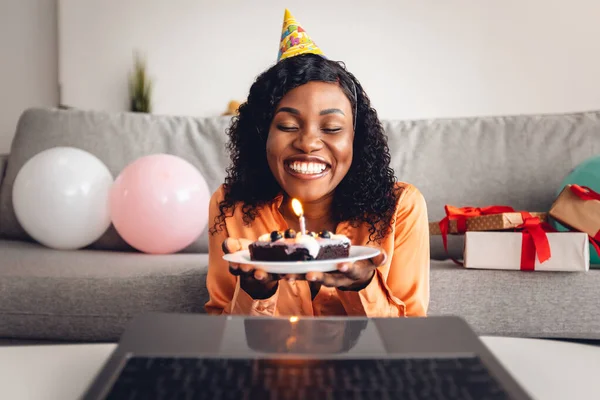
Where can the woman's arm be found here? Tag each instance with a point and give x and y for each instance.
(405, 289)
(226, 294)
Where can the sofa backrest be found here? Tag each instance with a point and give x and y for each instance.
(511, 160)
(117, 139)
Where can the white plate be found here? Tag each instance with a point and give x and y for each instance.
(302, 267)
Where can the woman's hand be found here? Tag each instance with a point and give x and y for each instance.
(350, 276)
(256, 282)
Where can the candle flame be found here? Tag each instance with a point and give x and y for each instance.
(293, 319)
(297, 207)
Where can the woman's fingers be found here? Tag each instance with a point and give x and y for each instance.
(246, 268)
(336, 279)
(343, 267)
(352, 270)
(234, 269)
(225, 246)
(314, 276)
(347, 274)
(294, 277)
(260, 275)
(332, 279)
(240, 269)
(380, 259)
(248, 271)
(263, 276)
(231, 245)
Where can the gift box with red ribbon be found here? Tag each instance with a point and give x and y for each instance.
(527, 251)
(530, 245)
(459, 220)
(579, 208)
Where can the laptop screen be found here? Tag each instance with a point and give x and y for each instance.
(310, 336)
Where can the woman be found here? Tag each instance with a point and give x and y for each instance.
(308, 131)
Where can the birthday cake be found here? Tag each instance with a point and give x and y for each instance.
(290, 246)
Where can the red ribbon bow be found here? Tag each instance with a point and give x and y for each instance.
(585, 193)
(461, 214)
(534, 242)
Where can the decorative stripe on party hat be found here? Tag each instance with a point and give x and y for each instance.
(294, 39)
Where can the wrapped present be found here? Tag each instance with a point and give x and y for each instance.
(459, 220)
(579, 208)
(484, 222)
(560, 251)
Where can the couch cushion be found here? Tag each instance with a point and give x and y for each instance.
(516, 303)
(512, 160)
(90, 295)
(117, 139)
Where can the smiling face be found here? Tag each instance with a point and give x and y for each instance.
(309, 147)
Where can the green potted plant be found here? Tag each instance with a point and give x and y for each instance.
(140, 87)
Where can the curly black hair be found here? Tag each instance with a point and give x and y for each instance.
(367, 194)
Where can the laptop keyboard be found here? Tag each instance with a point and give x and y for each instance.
(192, 378)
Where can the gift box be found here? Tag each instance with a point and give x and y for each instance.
(548, 251)
(579, 208)
(493, 222)
(460, 220)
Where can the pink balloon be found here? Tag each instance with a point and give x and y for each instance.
(159, 204)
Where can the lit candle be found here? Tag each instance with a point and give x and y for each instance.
(297, 207)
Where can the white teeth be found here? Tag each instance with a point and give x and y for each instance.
(307, 168)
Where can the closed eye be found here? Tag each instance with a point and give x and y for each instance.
(331, 130)
(287, 128)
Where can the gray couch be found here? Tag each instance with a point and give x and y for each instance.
(90, 294)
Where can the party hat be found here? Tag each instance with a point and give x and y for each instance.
(294, 39)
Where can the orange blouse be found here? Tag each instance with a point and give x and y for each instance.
(399, 288)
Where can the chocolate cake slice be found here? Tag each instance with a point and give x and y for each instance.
(290, 246)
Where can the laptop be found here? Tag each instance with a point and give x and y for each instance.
(191, 356)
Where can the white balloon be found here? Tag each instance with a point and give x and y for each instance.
(60, 197)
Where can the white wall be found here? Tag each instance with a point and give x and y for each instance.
(417, 59)
(28, 61)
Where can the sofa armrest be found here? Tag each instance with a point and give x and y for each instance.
(3, 161)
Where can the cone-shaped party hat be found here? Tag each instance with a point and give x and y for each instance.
(294, 39)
